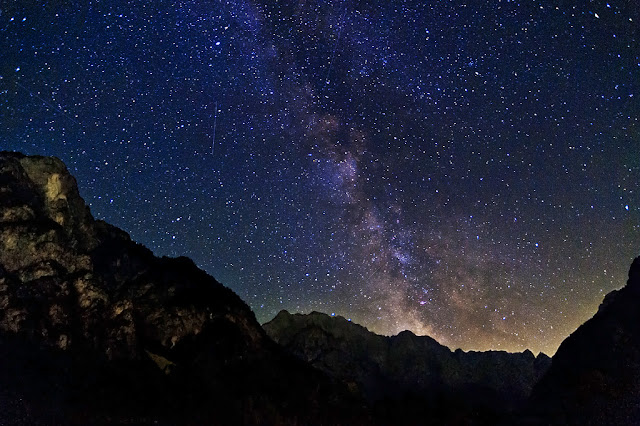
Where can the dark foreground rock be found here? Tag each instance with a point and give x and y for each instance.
(595, 375)
(410, 377)
(94, 329)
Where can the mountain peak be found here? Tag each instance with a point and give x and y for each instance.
(595, 374)
(94, 326)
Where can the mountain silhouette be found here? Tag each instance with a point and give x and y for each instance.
(595, 374)
(95, 329)
(411, 376)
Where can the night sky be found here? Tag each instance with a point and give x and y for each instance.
(463, 170)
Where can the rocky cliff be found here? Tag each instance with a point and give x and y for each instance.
(405, 373)
(95, 329)
(595, 374)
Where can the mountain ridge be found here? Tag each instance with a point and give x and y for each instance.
(286, 312)
(383, 367)
(95, 329)
(595, 374)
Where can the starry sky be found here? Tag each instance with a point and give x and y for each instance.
(466, 170)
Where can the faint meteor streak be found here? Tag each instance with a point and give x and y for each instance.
(335, 46)
(215, 122)
(49, 105)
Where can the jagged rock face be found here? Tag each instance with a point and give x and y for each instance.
(387, 368)
(56, 257)
(107, 332)
(595, 374)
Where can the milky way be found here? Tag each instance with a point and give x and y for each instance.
(467, 171)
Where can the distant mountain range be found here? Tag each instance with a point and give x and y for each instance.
(411, 376)
(94, 329)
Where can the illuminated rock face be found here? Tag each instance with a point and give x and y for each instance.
(68, 276)
(595, 374)
(95, 328)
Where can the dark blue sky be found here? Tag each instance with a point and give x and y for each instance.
(465, 171)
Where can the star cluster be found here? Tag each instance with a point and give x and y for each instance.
(467, 171)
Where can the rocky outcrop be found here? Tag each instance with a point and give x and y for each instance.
(95, 329)
(398, 374)
(595, 374)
